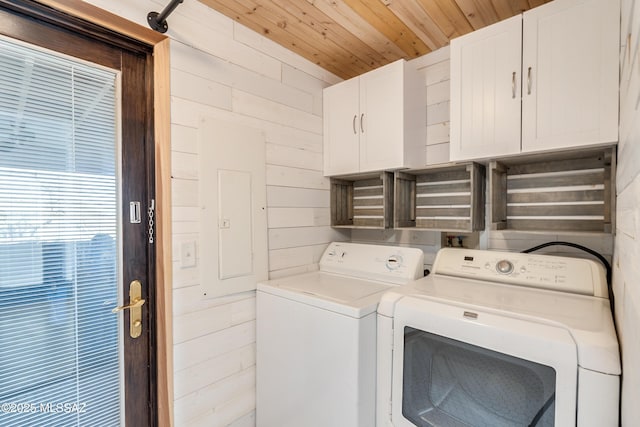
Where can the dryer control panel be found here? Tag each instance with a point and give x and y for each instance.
(574, 275)
(392, 264)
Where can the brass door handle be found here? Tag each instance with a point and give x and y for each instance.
(135, 306)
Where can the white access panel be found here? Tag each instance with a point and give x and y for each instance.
(233, 255)
(235, 225)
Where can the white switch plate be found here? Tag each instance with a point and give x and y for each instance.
(188, 254)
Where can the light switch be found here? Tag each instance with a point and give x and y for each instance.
(188, 254)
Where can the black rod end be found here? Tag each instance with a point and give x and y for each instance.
(152, 20)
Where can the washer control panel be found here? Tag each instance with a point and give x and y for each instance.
(392, 264)
(575, 275)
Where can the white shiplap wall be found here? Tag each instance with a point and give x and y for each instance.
(222, 70)
(626, 269)
(436, 70)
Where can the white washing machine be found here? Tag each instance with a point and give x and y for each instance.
(499, 339)
(316, 337)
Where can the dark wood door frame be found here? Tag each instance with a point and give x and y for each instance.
(75, 18)
(162, 128)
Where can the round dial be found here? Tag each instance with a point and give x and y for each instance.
(394, 262)
(504, 267)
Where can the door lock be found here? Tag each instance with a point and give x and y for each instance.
(134, 307)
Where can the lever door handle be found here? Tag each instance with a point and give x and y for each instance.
(135, 307)
(134, 304)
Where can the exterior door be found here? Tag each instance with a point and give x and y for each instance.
(76, 223)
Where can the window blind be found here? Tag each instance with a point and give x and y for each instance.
(59, 346)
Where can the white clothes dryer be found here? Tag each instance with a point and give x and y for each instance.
(316, 337)
(499, 339)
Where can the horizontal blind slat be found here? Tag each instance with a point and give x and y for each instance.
(59, 341)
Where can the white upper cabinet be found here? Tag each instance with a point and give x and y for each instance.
(541, 81)
(376, 121)
(570, 68)
(341, 124)
(485, 91)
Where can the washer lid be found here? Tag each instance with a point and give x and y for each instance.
(588, 319)
(344, 295)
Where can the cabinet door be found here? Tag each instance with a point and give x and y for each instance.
(570, 71)
(341, 128)
(485, 91)
(381, 118)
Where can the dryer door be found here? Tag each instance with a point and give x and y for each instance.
(463, 366)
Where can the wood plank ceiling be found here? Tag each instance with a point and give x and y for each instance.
(350, 37)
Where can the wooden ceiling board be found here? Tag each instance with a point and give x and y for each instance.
(417, 19)
(351, 37)
(479, 13)
(347, 18)
(508, 8)
(321, 23)
(448, 16)
(321, 46)
(292, 36)
(377, 14)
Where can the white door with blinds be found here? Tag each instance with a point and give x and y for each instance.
(60, 346)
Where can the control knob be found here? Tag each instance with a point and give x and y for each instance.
(504, 266)
(394, 262)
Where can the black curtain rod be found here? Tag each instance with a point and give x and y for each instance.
(158, 21)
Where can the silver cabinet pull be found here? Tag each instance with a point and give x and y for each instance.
(529, 81)
(362, 123)
(513, 85)
(354, 124)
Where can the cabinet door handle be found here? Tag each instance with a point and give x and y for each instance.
(354, 124)
(362, 123)
(513, 85)
(529, 81)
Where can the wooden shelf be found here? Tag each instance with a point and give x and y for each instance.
(362, 202)
(572, 192)
(447, 199)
